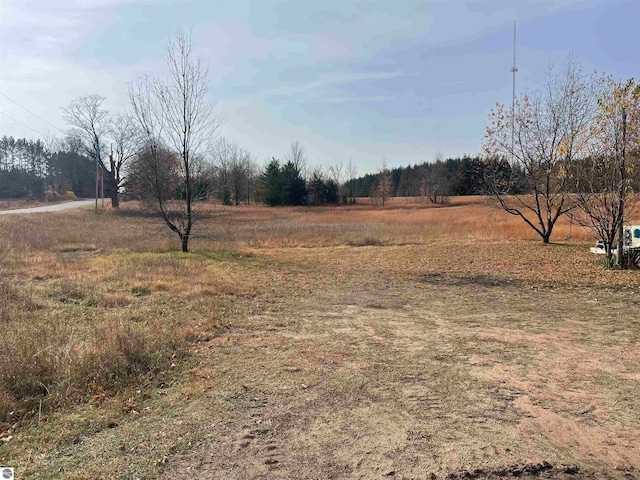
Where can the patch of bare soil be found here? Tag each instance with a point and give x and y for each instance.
(369, 376)
(527, 472)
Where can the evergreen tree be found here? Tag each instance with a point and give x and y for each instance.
(272, 183)
(294, 189)
(283, 185)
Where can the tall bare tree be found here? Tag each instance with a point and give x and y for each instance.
(240, 173)
(123, 147)
(297, 156)
(352, 173)
(551, 129)
(435, 184)
(154, 177)
(233, 171)
(384, 185)
(90, 125)
(253, 177)
(176, 116)
(222, 152)
(108, 140)
(606, 179)
(335, 172)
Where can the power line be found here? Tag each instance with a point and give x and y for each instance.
(29, 111)
(25, 126)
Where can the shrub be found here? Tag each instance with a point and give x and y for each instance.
(69, 195)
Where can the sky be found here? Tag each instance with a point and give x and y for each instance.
(358, 80)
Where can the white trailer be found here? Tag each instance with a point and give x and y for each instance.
(630, 245)
(631, 236)
(630, 240)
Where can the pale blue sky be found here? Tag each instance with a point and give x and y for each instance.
(403, 79)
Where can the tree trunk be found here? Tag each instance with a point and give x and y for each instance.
(620, 235)
(113, 182)
(187, 231)
(623, 187)
(546, 237)
(115, 199)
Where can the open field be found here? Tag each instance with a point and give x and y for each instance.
(295, 343)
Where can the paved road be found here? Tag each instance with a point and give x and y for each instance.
(50, 208)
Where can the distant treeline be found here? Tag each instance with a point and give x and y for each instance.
(28, 169)
(436, 180)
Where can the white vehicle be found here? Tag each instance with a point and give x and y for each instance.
(599, 248)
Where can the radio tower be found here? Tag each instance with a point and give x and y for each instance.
(514, 70)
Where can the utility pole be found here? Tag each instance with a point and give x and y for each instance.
(102, 187)
(46, 192)
(514, 70)
(96, 209)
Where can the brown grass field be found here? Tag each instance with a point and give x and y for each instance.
(315, 343)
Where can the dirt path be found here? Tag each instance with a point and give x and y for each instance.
(373, 377)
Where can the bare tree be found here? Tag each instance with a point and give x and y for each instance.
(52, 145)
(154, 177)
(352, 173)
(222, 152)
(253, 177)
(335, 172)
(124, 146)
(240, 167)
(71, 143)
(234, 172)
(176, 116)
(605, 179)
(110, 141)
(297, 156)
(91, 125)
(435, 184)
(384, 185)
(528, 176)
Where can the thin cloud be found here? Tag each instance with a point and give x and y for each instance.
(326, 81)
(348, 99)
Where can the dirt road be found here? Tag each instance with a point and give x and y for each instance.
(59, 207)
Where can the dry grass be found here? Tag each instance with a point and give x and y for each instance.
(75, 262)
(464, 219)
(106, 269)
(83, 306)
(306, 324)
(62, 336)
